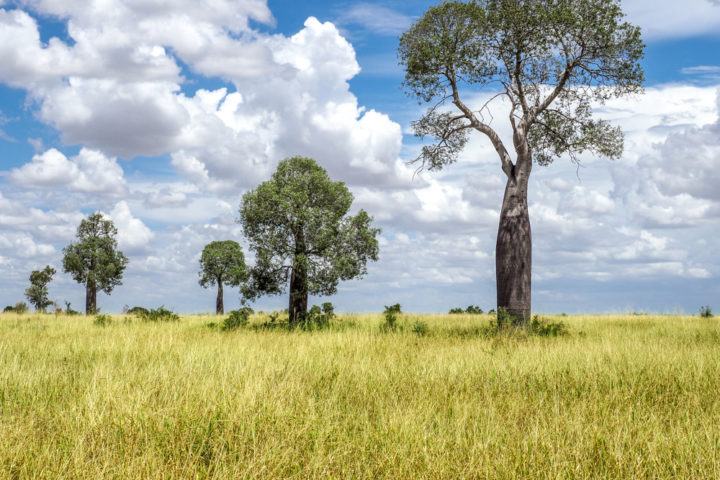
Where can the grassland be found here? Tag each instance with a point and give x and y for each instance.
(618, 397)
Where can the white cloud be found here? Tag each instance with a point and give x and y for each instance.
(663, 19)
(701, 70)
(52, 168)
(23, 245)
(90, 172)
(133, 236)
(166, 197)
(375, 18)
(117, 89)
(674, 181)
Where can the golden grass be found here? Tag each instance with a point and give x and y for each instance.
(619, 397)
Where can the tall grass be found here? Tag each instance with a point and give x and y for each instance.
(619, 397)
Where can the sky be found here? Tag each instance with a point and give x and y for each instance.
(162, 114)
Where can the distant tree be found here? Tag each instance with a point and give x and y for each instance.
(20, 307)
(222, 263)
(550, 59)
(297, 225)
(37, 292)
(94, 260)
(474, 309)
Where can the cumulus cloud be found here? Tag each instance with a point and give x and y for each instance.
(674, 182)
(24, 246)
(90, 172)
(133, 236)
(118, 89)
(122, 84)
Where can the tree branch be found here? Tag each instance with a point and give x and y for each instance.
(507, 165)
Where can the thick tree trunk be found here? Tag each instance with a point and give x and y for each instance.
(298, 294)
(90, 298)
(513, 251)
(219, 307)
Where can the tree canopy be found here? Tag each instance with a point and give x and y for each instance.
(94, 259)
(298, 226)
(222, 263)
(37, 292)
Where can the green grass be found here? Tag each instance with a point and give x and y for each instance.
(618, 397)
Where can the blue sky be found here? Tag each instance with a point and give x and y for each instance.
(163, 116)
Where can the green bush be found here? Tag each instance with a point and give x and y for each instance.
(102, 320)
(237, 319)
(9, 308)
(471, 309)
(391, 315)
(474, 309)
(161, 314)
(420, 328)
(540, 326)
(21, 307)
(140, 311)
(328, 309)
(503, 319)
(318, 318)
(706, 312)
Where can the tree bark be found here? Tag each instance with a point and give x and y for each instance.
(297, 308)
(298, 294)
(90, 298)
(219, 307)
(513, 251)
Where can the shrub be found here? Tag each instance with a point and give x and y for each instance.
(543, 328)
(328, 309)
(471, 309)
(161, 314)
(706, 312)
(391, 314)
(21, 307)
(420, 328)
(237, 319)
(140, 311)
(102, 320)
(318, 318)
(504, 319)
(9, 308)
(491, 311)
(474, 309)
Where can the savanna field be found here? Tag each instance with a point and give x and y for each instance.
(620, 396)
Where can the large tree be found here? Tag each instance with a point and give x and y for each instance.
(222, 263)
(37, 292)
(551, 60)
(297, 225)
(94, 259)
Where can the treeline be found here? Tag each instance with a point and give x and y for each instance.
(297, 225)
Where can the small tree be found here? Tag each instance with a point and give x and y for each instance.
(298, 227)
(95, 260)
(37, 292)
(222, 263)
(550, 59)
